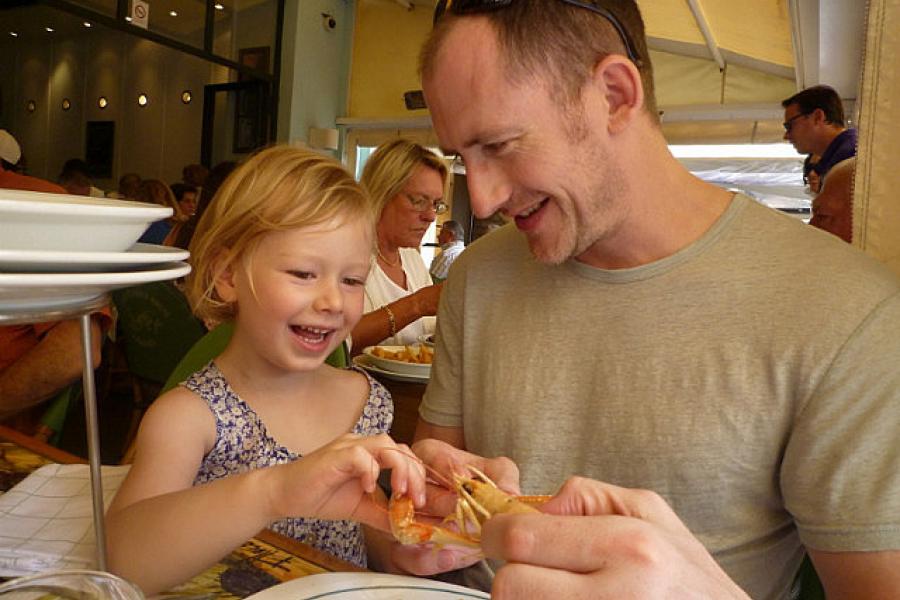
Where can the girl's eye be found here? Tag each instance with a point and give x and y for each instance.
(302, 274)
(354, 281)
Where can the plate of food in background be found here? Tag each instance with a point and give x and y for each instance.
(400, 363)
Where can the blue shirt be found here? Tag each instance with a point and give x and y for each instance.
(841, 148)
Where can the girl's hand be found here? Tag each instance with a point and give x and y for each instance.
(339, 481)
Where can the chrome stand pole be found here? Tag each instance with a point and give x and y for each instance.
(93, 440)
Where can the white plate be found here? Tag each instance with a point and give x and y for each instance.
(397, 366)
(41, 221)
(20, 292)
(365, 362)
(366, 586)
(52, 261)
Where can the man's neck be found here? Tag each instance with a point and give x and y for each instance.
(832, 132)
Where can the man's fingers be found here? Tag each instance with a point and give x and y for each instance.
(516, 581)
(560, 542)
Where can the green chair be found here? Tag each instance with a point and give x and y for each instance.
(155, 329)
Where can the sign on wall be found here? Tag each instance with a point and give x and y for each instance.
(140, 13)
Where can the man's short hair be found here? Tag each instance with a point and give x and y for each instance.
(822, 97)
(559, 41)
(454, 228)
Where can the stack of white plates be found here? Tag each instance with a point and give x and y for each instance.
(58, 251)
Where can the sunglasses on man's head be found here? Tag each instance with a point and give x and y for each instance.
(467, 7)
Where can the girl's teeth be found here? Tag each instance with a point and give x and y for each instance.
(310, 334)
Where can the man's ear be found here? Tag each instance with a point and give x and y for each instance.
(223, 271)
(620, 81)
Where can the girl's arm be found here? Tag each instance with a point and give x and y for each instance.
(162, 531)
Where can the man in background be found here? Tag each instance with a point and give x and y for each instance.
(832, 209)
(814, 123)
(451, 240)
(38, 360)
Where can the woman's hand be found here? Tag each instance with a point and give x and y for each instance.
(426, 299)
(338, 481)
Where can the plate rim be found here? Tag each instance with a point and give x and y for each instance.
(44, 203)
(174, 270)
(357, 582)
(360, 360)
(416, 366)
(133, 255)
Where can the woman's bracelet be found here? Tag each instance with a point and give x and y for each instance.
(391, 320)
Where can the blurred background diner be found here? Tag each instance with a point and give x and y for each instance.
(406, 183)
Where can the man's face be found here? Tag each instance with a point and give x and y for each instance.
(539, 163)
(798, 129)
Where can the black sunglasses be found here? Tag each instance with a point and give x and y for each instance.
(464, 7)
(790, 122)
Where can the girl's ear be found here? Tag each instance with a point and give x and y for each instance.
(223, 270)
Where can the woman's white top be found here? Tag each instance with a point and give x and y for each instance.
(381, 290)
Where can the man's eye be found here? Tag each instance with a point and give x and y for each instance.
(495, 147)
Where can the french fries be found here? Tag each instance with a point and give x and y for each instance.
(420, 355)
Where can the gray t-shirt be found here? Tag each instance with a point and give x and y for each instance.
(752, 379)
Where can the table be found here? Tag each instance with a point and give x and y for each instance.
(265, 560)
(81, 309)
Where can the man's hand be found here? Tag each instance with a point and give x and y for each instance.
(443, 460)
(602, 541)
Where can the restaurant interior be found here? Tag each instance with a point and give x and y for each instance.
(152, 86)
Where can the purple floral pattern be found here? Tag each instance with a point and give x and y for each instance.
(243, 443)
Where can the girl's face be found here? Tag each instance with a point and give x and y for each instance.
(306, 295)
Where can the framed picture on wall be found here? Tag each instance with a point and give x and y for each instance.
(256, 58)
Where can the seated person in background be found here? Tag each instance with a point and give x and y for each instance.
(128, 185)
(810, 176)
(451, 240)
(194, 175)
(38, 361)
(186, 196)
(814, 124)
(75, 173)
(406, 183)
(832, 209)
(267, 434)
(75, 183)
(154, 191)
(206, 194)
(10, 178)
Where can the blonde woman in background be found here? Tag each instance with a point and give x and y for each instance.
(154, 191)
(406, 183)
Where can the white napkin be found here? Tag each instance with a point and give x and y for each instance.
(46, 521)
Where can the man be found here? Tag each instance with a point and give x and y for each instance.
(832, 209)
(39, 360)
(814, 124)
(451, 240)
(10, 154)
(670, 336)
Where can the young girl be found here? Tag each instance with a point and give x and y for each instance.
(266, 434)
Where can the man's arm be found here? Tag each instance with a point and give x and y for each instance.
(451, 435)
(56, 362)
(858, 575)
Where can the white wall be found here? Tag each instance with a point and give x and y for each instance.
(155, 141)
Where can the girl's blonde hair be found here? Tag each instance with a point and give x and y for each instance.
(391, 165)
(278, 189)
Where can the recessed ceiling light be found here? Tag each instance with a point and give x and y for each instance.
(186, 96)
(49, 29)
(172, 13)
(14, 34)
(66, 104)
(143, 100)
(88, 25)
(128, 19)
(102, 102)
(219, 6)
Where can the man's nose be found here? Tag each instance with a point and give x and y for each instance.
(489, 188)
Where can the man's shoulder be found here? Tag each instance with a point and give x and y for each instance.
(17, 181)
